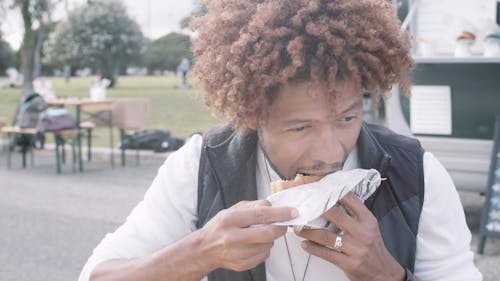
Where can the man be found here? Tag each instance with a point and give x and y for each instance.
(289, 74)
(184, 67)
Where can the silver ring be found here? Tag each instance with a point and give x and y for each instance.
(338, 243)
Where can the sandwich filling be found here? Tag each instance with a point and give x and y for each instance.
(299, 179)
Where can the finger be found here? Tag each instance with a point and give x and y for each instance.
(354, 205)
(342, 220)
(326, 238)
(337, 258)
(250, 204)
(262, 202)
(244, 217)
(262, 233)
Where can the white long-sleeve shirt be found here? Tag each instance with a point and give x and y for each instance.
(168, 213)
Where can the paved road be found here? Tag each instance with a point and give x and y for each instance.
(49, 224)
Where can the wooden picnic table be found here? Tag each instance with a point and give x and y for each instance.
(90, 107)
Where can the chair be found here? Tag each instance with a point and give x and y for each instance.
(129, 115)
(12, 132)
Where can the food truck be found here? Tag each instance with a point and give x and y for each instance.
(455, 84)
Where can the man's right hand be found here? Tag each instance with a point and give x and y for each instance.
(238, 238)
(241, 237)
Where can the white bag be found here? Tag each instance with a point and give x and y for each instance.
(314, 199)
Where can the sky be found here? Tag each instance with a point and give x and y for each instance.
(156, 17)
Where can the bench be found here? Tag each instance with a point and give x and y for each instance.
(11, 132)
(60, 138)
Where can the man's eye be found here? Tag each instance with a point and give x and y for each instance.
(299, 129)
(349, 119)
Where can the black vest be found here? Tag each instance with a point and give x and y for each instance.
(227, 176)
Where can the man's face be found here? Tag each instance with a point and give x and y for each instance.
(304, 135)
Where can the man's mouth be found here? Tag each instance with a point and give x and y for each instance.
(316, 174)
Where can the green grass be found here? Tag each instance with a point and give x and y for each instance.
(180, 110)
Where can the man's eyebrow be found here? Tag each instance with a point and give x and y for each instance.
(354, 105)
(296, 121)
(305, 120)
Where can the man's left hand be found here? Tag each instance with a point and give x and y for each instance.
(362, 254)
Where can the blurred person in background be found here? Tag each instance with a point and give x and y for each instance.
(184, 67)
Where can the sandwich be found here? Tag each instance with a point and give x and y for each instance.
(299, 179)
(466, 36)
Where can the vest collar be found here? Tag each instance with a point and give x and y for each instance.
(234, 164)
(371, 153)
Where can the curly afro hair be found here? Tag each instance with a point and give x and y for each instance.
(247, 49)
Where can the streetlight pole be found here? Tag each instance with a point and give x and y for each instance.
(149, 19)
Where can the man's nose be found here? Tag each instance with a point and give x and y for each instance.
(328, 148)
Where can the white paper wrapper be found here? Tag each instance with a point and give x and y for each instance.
(314, 199)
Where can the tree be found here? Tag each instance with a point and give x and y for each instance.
(7, 56)
(99, 35)
(42, 36)
(200, 8)
(36, 14)
(167, 52)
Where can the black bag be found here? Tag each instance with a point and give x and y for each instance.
(170, 145)
(146, 139)
(50, 123)
(156, 140)
(23, 141)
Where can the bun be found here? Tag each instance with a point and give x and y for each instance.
(466, 35)
(298, 180)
